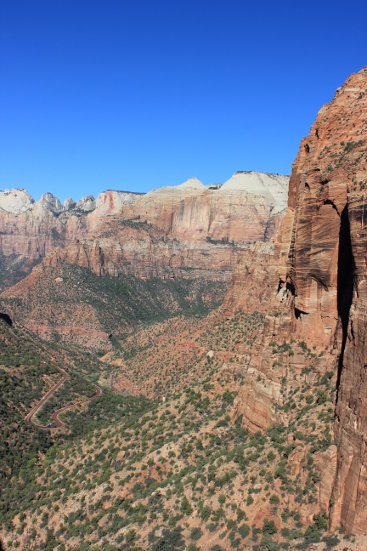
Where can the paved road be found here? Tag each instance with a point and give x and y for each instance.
(57, 423)
(44, 399)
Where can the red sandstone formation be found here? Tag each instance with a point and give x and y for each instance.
(327, 276)
(319, 293)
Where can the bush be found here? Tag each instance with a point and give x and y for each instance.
(186, 507)
(269, 527)
(244, 530)
(331, 541)
(196, 533)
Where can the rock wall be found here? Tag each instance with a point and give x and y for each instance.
(327, 275)
(111, 235)
(321, 294)
(145, 252)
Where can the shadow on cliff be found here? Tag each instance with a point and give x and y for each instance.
(8, 321)
(346, 269)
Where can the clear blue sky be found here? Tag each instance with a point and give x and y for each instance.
(139, 94)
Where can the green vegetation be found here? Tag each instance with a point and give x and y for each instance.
(137, 473)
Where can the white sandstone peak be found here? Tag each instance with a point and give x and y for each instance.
(15, 201)
(50, 202)
(69, 203)
(273, 187)
(86, 204)
(192, 183)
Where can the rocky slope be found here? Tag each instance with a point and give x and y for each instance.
(315, 293)
(188, 216)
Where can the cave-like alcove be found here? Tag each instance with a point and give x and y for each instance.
(8, 321)
(346, 269)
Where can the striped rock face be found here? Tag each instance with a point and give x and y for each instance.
(316, 280)
(327, 275)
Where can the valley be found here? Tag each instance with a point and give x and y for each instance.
(185, 369)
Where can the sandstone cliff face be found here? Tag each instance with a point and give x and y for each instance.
(318, 290)
(31, 228)
(190, 216)
(146, 252)
(327, 275)
(243, 209)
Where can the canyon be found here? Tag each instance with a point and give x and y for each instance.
(188, 233)
(245, 399)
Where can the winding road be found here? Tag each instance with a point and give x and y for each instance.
(29, 417)
(57, 423)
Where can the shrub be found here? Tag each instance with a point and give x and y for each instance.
(269, 527)
(185, 506)
(244, 530)
(196, 533)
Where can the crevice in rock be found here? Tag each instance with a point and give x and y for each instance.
(346, 269)
(290, 287)
(298, 313)
(330, 202)
(280, 285)
(307, 148)
(6, 318)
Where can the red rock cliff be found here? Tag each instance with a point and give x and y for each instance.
(323, 281)
(327, 275)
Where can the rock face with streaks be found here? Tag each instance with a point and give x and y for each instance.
(31, 228)
(244, 209)
(318, 291)
(326, 276)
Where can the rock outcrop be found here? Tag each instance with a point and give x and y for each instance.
(15, 201)
(317, 292)
(326, 276)
(30, 229)
(246, 208)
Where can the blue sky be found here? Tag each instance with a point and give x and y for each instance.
(116, 94)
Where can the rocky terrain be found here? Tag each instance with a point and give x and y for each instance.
(187, 236)
(190, 217)
(232, 426)
(30, 229)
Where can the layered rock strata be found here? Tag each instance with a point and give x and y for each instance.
(30, 229)
(316, 293)
(191, 216)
